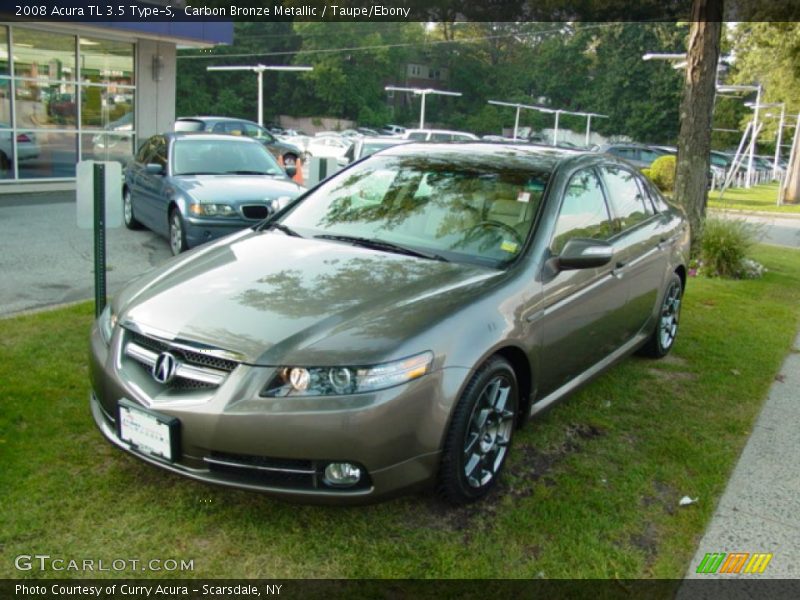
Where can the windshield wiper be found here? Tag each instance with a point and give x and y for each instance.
(382, 245)
(281, 227)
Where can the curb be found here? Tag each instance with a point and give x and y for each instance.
(42, 309)
(755, 213)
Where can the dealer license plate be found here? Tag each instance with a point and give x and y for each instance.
(148, 431)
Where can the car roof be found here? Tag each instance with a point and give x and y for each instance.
(211, 118)
(545, 158)
(426, 130)
(205, 135)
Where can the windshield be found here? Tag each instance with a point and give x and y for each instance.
(469, 209)
(372, 147)
(222, 157)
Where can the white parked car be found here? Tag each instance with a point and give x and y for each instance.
(438, 135)
(327, 146)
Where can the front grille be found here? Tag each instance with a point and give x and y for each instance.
(193, 358)
(255, 211)
(194, 370)
(184, 384)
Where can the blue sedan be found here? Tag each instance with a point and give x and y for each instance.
(193, 188)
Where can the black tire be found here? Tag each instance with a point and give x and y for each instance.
(177, 232)
(480, 433)
(127, 211)
(666, 330)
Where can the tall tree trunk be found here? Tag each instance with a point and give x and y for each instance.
(791, 186)
(697, 106)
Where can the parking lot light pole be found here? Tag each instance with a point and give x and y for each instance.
(780, 129)
(752, 151)
(421, 92)
(259, 71)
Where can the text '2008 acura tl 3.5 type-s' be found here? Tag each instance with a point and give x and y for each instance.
(391, 328)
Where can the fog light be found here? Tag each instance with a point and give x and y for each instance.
(342, 474)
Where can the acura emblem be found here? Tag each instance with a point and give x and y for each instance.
(165, 367)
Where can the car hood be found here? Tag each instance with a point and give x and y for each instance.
(235, 188)
(274, 299)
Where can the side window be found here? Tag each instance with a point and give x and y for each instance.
(630, 207)
(159, 151)
(622, 152)
(145, 152)
(441, 137)
(583, 213)
(649, 156)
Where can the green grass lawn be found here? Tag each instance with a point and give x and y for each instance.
(758, 198)
(591, 490)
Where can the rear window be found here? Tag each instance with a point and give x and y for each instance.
(189, 125)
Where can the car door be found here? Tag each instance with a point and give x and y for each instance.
(133, 179)
(151, 186)
(584, 309)
(641, 259)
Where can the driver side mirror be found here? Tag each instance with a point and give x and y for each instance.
(582, 253)
(154, 169)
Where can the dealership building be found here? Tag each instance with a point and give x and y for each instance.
(72, 92)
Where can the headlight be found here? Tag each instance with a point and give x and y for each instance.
(212, 210)
(106, 322)
(337, 381)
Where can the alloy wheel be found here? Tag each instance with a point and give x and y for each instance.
(670, 313)
(176, 233)
(489, 433)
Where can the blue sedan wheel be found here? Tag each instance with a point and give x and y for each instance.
(177, 235)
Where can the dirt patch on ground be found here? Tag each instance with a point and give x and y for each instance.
(531, 467)
(664, 496)
(671, 359)
(646, 541)
(671, 376)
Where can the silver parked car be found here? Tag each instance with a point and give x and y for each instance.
(390, 329)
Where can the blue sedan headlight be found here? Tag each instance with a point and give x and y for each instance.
(212, 210)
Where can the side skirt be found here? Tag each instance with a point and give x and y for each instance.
(587, 375)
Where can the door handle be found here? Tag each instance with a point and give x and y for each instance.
(664, 242)
(618, 270)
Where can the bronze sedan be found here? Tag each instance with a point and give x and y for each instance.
(391, 328)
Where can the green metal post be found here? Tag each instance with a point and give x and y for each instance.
(99, 238)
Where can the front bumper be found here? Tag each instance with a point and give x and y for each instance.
(231, 436)
(200, 231)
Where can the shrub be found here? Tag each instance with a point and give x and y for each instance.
(662, 172)
(724, 246)
(647, 173)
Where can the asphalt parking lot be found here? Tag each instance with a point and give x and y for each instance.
(47, 260)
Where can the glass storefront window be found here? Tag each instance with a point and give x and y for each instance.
(6, 155)
(108, 108)
(51, 105)
(69, 97)
(4, 62)
(51, 154)
(43, 54)
(105, 61)
(5, 103)
(107, 146)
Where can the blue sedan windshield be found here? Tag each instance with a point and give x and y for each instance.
(222, 157)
